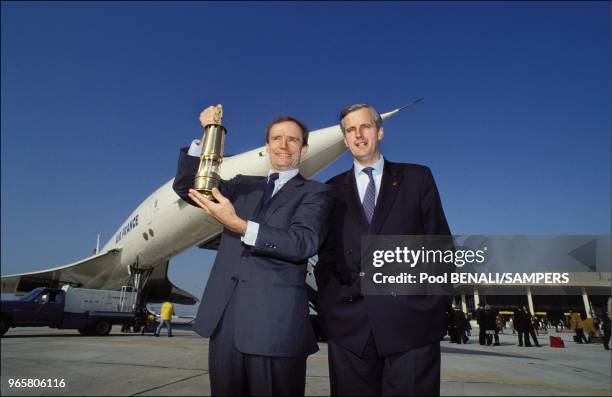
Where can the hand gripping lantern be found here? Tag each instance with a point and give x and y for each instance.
(208, 175)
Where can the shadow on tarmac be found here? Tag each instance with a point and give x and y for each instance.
(452, 350)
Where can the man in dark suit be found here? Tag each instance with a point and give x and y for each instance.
(460, 325)
(529, 327)
(378, 345)
(255, 307)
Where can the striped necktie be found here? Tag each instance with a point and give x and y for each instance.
(370, 195)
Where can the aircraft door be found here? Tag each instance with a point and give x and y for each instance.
(151, 208)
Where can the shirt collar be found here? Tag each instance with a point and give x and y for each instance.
(284, 176)
(378, 166)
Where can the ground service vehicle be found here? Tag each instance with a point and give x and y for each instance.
(91, 311)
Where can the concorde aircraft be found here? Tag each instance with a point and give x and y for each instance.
(164, 225)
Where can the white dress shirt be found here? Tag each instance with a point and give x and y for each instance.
(363, 179)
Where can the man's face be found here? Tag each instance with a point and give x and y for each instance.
(361, 136)
(285, 146)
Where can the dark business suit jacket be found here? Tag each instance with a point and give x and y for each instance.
(272, 313)
(408, 204)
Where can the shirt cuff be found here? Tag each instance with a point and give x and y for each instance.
(250, 236)
(194, 149)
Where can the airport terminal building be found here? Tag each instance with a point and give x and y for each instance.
(587, 292)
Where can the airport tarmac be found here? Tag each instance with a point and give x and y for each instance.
(135, 365)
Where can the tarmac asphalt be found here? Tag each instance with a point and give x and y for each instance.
(135, 365)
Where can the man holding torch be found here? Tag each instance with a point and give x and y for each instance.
(255, 306)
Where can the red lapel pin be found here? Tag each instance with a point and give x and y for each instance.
(394, 184)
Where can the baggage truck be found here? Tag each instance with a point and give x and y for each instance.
(91, 311)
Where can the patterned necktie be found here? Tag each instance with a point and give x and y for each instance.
(270, 187)
(370, 195)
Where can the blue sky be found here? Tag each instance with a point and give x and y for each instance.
(98, 97)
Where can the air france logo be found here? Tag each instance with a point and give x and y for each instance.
(127, 228)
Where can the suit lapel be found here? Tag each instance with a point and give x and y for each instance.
(283, 195)
(389, 186)
(348, 188)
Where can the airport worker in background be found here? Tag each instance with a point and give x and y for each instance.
(165, 318)
(576, 326)
(255, 306)
(378, 345)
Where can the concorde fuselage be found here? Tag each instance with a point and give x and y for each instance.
(163, 225)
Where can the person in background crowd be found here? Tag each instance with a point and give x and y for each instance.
(490, 326)
(499, 321)
(589, 328)
(520, 322)
(576, 326)
(468, 325)
(535, 322)
(529, 325)
(480, 314)
(451, 328)
(460, 325)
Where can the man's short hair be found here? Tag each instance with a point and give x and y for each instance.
(349, 109)
(282, 119)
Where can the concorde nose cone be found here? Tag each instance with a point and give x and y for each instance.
(387, 115)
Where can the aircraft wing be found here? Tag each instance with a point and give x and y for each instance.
(92, 272)
(99, 271)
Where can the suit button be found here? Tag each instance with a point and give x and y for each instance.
(274, 246)
(361, 274)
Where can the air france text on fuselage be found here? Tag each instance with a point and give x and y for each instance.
(127, 228)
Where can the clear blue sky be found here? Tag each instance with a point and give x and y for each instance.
(98, 97)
